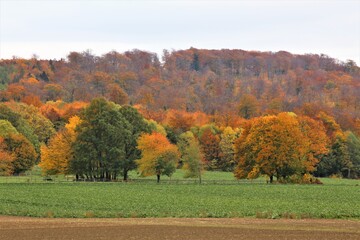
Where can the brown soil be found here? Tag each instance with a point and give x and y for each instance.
(174, 228)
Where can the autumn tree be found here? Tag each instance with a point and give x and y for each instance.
(227, 155)
(57, 155)
(100, 146)
(23, 152)
(274, 146)
(210, 148)
(21, 125)
(159, 156)
(42, 126)
(248, 106)
(6, 160)
(180, 121)
(117, 95)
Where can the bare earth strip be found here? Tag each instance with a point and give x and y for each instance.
(176, 228)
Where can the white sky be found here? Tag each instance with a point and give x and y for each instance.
(51, 29)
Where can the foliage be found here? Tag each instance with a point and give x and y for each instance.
(210, 148)
(353, 145)
(337, 160)
(248, 106)
(20, 124)
(159, 156)
(23, 152)
(191, 156)
(100, 146)
(43, 127)
(138, 126)
(7, 128)
(56, 157)
(227, 155)
(275, 146)
(6, 159)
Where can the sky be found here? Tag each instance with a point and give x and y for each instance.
(51, 29)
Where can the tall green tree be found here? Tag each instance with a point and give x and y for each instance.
(100, 146)
(138, 126)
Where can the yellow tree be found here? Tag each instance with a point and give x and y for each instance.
(55, 157)
(318, 141)
(274, 146)
(159, 156)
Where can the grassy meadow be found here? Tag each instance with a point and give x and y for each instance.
(220, 195)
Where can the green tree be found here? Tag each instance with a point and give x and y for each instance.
(191, 157)
(337, 161)
(138, 126)
(100, 146)
(353, 144)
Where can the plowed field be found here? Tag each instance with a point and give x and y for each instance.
(176, 228)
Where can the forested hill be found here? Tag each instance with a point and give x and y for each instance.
(216, 82)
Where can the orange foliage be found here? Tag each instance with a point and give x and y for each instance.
(6, 159)
(159, 156)
(180, 121)
(32, 100)
(55, 157)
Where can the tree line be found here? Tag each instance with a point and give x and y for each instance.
(103, 141)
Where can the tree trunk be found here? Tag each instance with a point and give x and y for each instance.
(271, 178)
(125, 175)
(158, 178)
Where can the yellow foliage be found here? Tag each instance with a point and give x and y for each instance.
(157, 153)
(55, 157)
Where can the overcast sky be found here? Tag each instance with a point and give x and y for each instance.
(51, 29)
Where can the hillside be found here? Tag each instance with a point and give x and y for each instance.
(216, 82)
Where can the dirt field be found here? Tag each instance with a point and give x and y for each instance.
(172, 228)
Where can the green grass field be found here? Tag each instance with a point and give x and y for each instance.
(219, 196)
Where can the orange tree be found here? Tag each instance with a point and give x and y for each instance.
(159, 156)
(277, 146)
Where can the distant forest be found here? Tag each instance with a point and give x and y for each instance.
(216, 82)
